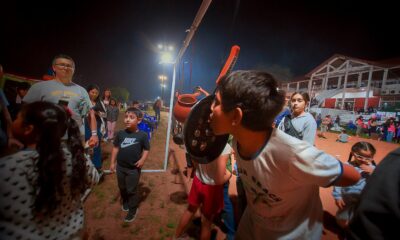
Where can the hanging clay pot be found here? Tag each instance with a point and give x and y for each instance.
(184, 105)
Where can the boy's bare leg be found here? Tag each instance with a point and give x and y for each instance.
(185, 219)
(205, 228)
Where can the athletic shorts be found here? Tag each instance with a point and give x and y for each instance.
(210, 197)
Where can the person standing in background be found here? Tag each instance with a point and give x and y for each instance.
(112, 117)
(16, 105)
(157, 109)
(300, 123)
(98, 107)
(106, 98)
(63, 91)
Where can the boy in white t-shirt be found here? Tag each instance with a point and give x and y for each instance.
(206, 192)
(281, 174)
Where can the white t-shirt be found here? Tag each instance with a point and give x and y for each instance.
(282, 189)
(206, 172)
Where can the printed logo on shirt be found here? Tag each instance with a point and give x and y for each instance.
(128, 142)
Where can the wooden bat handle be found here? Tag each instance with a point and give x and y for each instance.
(230, 62)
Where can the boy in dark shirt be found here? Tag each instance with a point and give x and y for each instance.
(131, 148)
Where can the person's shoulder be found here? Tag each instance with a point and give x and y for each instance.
(281, 139)
(122, 132)
(17, 158)
(141, 133)
(42, 85)
(75, 85)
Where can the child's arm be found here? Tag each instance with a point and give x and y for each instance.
(222, 175)
(228, 174)
(113, 164)
(337, 195)
(139, 164)
(349, 176)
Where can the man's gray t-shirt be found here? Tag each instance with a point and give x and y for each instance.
(54, 91)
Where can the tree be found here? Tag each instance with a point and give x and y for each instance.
(120, 93)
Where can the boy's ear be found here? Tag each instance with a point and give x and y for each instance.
(28, 129)
(237, 116)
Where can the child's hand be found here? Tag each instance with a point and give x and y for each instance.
(367, 168)
(139, 164)
(340, 203)
(113, 167)
(93, 141)
(14, 142)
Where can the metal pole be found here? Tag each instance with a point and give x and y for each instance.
(196, 22)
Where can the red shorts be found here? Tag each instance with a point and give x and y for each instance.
(210, 197)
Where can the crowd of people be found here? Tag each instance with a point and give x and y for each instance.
(277, 164)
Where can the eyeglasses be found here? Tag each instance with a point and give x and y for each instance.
(63, 65)
(369, 159)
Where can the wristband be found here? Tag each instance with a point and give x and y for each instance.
(94, 133)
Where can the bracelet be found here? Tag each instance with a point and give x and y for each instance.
(94, 133)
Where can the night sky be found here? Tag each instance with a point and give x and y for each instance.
(114, 43)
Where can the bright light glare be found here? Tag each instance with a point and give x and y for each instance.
(163, 85)
(160, 46)
(171, 48)
(162, 77)
(166, 57)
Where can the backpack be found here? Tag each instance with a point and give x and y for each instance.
(289, 128)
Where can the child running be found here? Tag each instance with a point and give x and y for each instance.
(42, 185)
(281, 174)
(131, 148)
(347, 198)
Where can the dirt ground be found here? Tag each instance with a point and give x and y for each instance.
(163, 194)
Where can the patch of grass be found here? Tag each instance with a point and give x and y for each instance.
(162, 204)
(152, 197)
(125, 225)
(172, 211)
(116, 215)
(161, 230)
(154, 219)
(114, 199)
(171, 225)
(99, 193)
(135, 230)
(99, 214)
(151, 183)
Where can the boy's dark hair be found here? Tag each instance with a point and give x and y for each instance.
(62, 56)
(344, 131)
(256, 93)
(136, 111)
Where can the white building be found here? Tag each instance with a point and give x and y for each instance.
(349, 83)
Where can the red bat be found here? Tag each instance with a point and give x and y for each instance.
(230, 62)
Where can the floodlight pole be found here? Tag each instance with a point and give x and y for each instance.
(196, 22)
